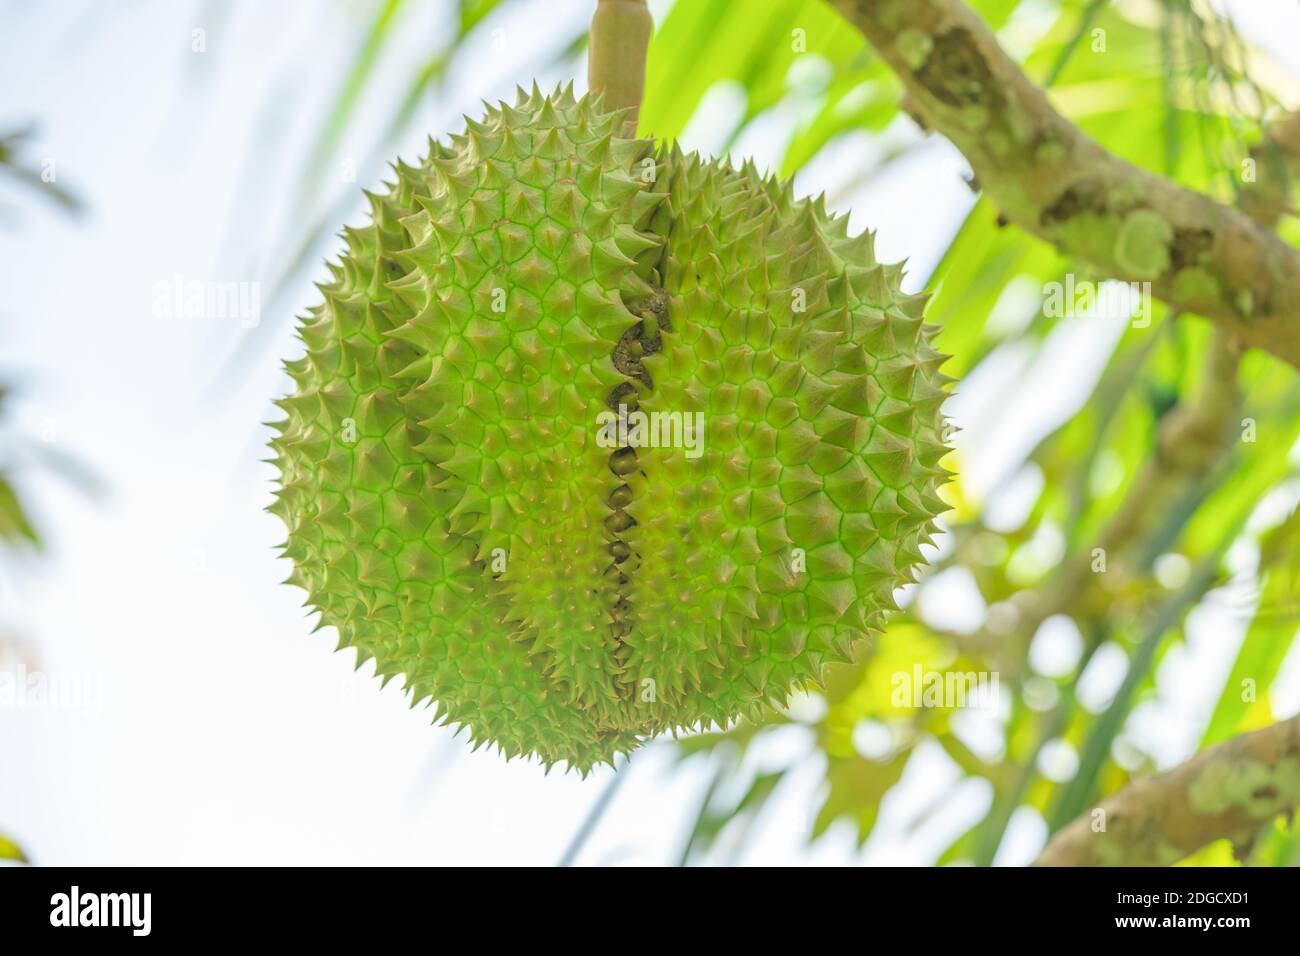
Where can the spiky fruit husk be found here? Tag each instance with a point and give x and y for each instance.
(450, 508)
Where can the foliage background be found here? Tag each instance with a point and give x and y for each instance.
(224, 735)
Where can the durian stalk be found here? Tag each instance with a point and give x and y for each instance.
(620, 35)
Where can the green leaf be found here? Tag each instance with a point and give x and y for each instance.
(861, 101)
(857, 785)
(14, 524)
(705, 42)
(972, 277)
(9, 850)
(1096, 749)
(1271, 633)
(349, 94)
(10, 145)
(962, 848)
(710, 824)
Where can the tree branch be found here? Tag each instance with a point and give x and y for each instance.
(1228, 791)
(1276, 161)
(1051, 179)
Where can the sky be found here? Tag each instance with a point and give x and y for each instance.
(204, 724)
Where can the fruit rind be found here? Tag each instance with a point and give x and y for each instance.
(454, 516)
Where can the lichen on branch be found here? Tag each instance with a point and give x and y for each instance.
(1050, 178)
(1227, 792)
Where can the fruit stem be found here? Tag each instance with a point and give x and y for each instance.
(620, 36)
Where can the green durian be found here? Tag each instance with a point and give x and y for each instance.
(454, 512)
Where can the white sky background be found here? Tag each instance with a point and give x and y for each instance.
(225, 734)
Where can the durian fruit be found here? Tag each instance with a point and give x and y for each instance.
(453, 512)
